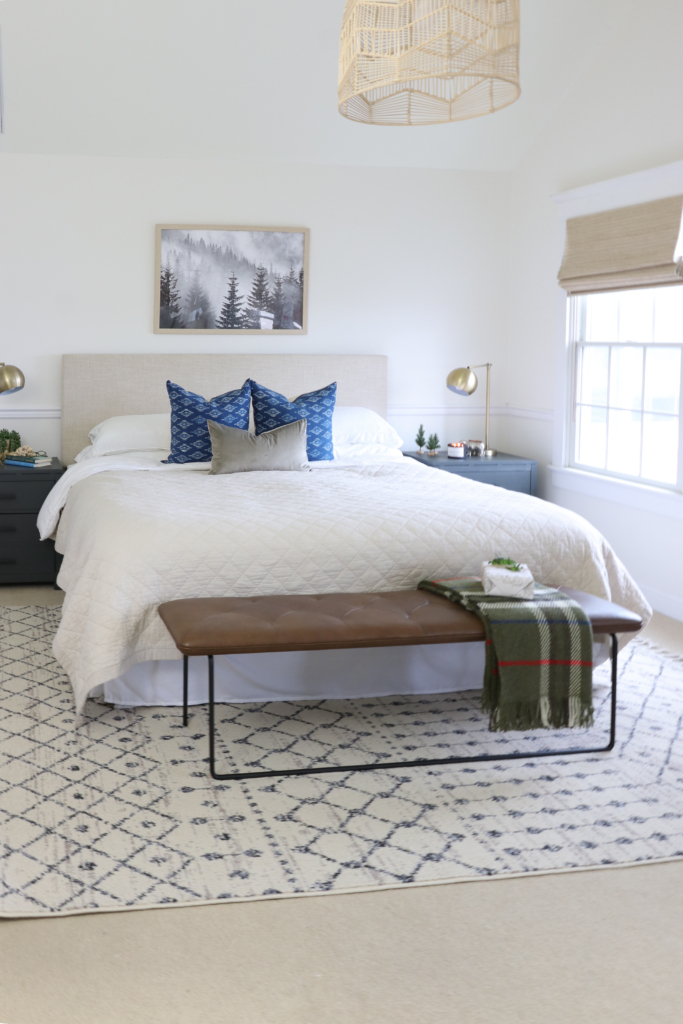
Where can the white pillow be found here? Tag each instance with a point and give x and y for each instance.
(87, 453)
(366, 453)
(352, 424)
(153, 457)
(119, 434)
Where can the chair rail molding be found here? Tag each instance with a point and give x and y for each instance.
(470, 410)
(30, 414)
(394, 410)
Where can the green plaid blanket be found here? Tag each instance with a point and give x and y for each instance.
(539, 655)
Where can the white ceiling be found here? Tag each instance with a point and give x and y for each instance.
(254, 81)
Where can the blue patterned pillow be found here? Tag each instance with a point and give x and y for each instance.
(273, 410)
(190, 441)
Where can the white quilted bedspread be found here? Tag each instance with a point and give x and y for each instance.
(133, 539)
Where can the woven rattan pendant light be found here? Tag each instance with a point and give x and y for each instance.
(406, 62)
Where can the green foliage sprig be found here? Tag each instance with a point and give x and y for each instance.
(9, 440)
(506, 563)
(420, 439)
(433, 443)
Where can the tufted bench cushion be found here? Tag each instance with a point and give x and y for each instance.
(313, 622)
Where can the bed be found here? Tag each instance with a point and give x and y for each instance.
(135, 533)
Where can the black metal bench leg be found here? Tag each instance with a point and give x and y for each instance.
(422, 762)
(613, 696)
(212, 741)
(185, 664)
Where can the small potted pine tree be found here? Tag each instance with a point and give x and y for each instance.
(420, 440)
(9, 442)
(433, 444)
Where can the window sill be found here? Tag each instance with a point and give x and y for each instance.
(623, 492)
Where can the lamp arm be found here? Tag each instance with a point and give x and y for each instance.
(488, 406)
(488, 366)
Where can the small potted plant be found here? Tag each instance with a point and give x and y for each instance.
(433, 444)
(420, 440)
(9, 442)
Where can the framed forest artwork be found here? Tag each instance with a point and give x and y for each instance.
(224, 280)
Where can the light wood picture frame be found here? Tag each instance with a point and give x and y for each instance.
(231, 280)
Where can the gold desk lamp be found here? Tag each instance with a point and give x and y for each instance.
(11, 379)
(464, 382)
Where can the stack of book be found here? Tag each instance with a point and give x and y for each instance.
(28, 461)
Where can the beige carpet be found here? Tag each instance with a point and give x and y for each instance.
(562, 949)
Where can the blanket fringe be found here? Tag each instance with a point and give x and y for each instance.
(642, 641)
(523, 716)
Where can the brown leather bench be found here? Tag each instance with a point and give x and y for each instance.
(208, 626)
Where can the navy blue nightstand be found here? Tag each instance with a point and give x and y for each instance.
(501, 470)
(24, 558)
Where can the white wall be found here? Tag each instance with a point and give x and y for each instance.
(400, 264)
(215, 78)
(614, 122)
(435, 268)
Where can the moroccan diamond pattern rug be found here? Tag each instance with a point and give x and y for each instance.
(118, 812)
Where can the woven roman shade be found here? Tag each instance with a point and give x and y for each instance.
(631, 247)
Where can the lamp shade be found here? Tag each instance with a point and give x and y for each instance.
(463, 381)
(11, 379)
(410, 62)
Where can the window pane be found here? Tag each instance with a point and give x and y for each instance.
(669, 315)
(629, 362)
(591, 436)
(579, 314)
(593, 374)
(636, 314)
(662, 379)
(660, 448)
(623, 446)
(602, 317)
(626, 378)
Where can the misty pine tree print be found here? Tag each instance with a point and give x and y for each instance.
(231, 279)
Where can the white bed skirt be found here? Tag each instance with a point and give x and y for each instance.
(308, 675)
(303, 675)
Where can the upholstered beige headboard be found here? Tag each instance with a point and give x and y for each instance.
(95, 387)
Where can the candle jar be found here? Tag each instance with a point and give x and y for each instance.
(457, 450)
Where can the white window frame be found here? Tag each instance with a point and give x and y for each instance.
(576, 347)
(642, 187)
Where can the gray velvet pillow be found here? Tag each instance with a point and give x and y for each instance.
(238, 451)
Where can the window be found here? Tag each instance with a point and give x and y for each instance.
(627, 384)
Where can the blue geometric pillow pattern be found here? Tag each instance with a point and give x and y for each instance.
(190, 441)
(273, 410)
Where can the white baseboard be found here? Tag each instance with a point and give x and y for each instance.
(661, 601)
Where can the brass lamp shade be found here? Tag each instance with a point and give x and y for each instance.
(11, 379)
(463, 381)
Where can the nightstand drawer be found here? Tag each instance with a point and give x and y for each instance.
(508, 471)
(23, 557)
(24, 495)
(511, 480)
